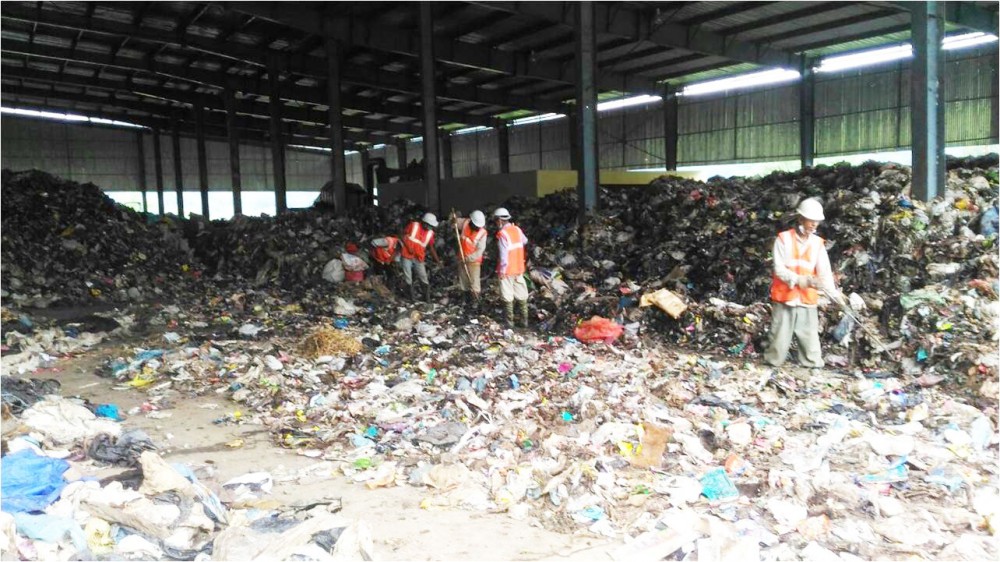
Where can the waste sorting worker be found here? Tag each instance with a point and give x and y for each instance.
(472, 243)
(417, 238)
(801, 271)
(385, 252)
(511, 243)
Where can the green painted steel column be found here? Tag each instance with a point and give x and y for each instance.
(807, 114)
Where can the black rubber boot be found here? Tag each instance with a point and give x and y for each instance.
(427, 292)
(508, 308)
(474, 303)
(522, 308)
(413, 292)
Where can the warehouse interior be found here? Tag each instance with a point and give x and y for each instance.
(182, 182)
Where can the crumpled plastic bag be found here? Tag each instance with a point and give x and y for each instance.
(30, 481)
(352, 262)
(598, 329)
(62, 421)
(333, 271)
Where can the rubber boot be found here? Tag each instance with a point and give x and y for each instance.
(474, 303)
(427, 292)
(413, 292)
(522, 307)
(508, 307)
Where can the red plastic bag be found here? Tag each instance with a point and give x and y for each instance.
(598, 329)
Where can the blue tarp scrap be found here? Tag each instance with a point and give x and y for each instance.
(30, 482)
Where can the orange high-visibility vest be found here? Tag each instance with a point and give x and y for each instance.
(514, 238)
(470, 240)
(416, 240)
(800, 264)
(385, 255)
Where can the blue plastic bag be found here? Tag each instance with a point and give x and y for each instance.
(30, 482)
(109, 411)
(716, 485)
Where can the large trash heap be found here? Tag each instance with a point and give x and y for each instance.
(672, 439)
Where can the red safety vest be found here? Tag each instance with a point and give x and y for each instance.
(470, 240)
(385, 255)
(416, 240)
(801, 263)
(514, 238)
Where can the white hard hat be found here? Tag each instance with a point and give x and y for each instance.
(501, 213)
(811, 209)
(430, 219)
(478, 219)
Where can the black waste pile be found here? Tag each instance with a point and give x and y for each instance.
(68, 243)
(293, 247)
(711, 243)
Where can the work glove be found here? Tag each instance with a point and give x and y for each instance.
(804, 282)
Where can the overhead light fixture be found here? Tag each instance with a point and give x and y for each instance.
(416, 139)
(955, 42)
(536, 119)
(377, 146)
(766, 77)
(627, 102)
(470, 130)
(864, 58)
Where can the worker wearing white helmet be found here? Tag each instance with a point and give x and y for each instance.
(801, 272)
(511, 243)
(472, 237)
(418, 238)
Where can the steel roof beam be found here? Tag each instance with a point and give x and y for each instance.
(221, 80)
(731, 10)
(354, 31)
(303, 64)
(638, 25)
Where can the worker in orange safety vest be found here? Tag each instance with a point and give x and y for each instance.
(472, 240)
(417, 239)
(511, 262)
(801, 271)
(385, 253)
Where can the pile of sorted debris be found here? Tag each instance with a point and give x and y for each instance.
(68, 243)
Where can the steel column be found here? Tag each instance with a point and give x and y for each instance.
(277, 142)
(927, 100)
(807, 114)
(367, 173)
(994, 99)
(573, 122)
(503, 142)
(158, 168)
(428, 99)
(178, 175)
(199, 134)
(447, 166)
(233, 135)
(401, 160)
(141, 149)
(671, 106)
(586, 103)
(338, 164)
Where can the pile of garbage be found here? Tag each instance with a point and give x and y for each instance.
(76, 486)
(709, 243)
(667, 451)
(68, 243)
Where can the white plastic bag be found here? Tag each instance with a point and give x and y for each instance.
(353, 263)
(333, 272)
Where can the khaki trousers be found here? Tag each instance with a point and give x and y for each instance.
(800, 322)
(513, 288)
(409, 266)
(463, 279)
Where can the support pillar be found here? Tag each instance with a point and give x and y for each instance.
(277, 142)
(338, 164)
(503, 143)
(927, 100)
(447, 167)
(671, 105)
(428, 100)
(573, 122)
(586, 104)
(368, 173)
(199, 125)
(401, 160)
(807, 114)
(994, 99)
(158, 168)
(141, 149)
(236, 178)
(178, 176)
